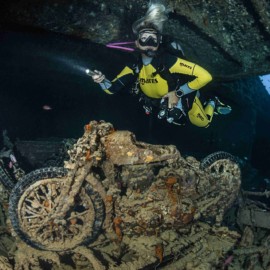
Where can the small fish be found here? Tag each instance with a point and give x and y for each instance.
(46, 107)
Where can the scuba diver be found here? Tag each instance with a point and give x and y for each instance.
(157, 77)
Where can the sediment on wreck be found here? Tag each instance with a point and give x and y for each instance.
(136, 200)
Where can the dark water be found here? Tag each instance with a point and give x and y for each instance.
(45, 69)
(39, 68)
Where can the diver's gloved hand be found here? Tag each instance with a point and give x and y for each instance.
(98, 77)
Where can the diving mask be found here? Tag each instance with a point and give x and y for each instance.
(149, 37)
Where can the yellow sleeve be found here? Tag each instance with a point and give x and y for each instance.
(120, 81)
(182, 66)
(127, 70)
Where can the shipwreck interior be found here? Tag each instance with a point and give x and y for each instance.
(89, 181)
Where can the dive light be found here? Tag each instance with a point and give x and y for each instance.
(106, 82)
(90, 72)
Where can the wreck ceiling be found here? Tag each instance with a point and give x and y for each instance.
(231, 38)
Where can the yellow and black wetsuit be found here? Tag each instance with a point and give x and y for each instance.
(155, 86)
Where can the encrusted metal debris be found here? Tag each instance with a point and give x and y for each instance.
(123, 204)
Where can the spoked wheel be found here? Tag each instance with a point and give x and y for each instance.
(216, 156)
(35, 198)
(222, 165)
(224, 183)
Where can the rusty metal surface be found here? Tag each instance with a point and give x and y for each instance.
(123, 149)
